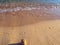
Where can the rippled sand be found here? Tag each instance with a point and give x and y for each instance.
(38, 26)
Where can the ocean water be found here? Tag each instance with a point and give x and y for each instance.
(35, 1)
(55, 10)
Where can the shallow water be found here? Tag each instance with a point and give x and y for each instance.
(55, 9)
(37, 1)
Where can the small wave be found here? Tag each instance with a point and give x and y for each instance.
(27, 9)
(18, 9)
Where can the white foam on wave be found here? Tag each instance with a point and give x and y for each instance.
(27, 9)
(18, 9)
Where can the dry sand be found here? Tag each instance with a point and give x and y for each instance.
(38, 27)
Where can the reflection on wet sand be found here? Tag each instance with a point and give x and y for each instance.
(25, 17)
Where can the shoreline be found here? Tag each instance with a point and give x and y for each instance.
(27, 14)
(22, 7)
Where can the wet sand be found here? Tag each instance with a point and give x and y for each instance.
(38, 27)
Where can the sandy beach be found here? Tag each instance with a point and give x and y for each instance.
(39, 26)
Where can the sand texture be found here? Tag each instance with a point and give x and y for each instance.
(38, 26)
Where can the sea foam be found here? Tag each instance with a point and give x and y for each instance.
(18, 9)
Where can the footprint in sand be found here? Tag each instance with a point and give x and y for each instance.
(51, 27)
